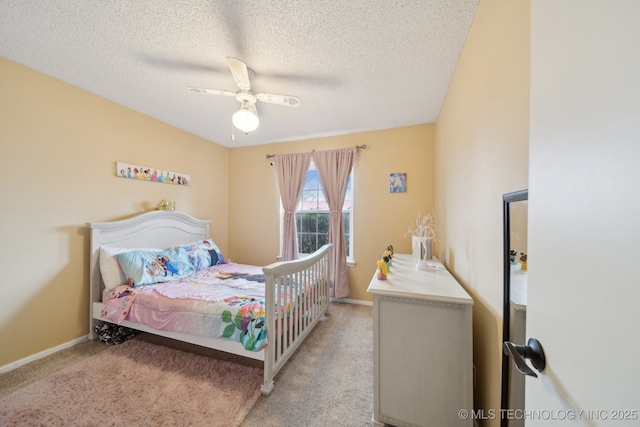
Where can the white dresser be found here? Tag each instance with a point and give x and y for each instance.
(423, 347)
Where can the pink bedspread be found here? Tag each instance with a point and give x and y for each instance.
(224, 301)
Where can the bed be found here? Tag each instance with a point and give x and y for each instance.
(296, 291)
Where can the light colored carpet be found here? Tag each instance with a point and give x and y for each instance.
(327, 382)
(137, 383)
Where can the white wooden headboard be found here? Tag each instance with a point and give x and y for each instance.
(156, 229)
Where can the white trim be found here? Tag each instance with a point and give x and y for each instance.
(18, 363)
(350, 256)
(352, 301)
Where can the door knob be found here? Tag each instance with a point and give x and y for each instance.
(532, 351)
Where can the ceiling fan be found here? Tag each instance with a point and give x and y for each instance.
(246, 118)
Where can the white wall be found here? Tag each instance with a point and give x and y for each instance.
(584, 206)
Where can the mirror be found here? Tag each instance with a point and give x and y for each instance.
(514, 213)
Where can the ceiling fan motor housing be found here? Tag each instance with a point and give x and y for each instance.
(245, 96)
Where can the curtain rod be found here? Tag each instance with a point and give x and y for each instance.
(359, 147)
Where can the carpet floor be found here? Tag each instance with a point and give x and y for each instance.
(138, 383)
(327, 382)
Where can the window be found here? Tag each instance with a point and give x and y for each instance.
(312, 215)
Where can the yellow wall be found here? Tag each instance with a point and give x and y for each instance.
(482, 137)
(380, 217)
(58, 146)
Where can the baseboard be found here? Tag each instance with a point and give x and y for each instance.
(45, 353)
(351, 301)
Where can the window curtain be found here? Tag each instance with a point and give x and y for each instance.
(291, 170)
(334, 167)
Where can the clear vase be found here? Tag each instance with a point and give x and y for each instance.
(428, 248)
(422, 247)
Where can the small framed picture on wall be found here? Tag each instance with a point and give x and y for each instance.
(398, 183)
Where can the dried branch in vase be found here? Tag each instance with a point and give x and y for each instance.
(424, 227)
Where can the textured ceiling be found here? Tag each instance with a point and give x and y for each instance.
(357, 65)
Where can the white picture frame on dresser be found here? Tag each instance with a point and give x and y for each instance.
(423, 347)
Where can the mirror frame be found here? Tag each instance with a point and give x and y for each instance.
(507, 199)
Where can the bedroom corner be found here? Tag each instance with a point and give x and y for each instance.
(380, 217)
(60, 146)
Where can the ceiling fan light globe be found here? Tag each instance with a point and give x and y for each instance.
(245, 120)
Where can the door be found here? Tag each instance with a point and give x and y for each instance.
(584, 213)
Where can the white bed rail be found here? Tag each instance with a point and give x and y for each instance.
(306, 281)
(303, 285)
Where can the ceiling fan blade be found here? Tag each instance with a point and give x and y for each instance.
(211, 91)
(286, 100)
(240, 73)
